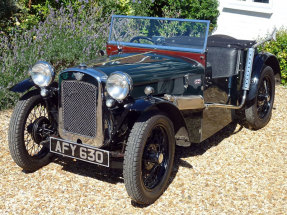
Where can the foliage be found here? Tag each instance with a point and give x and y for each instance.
(189, 9)
(7, 8)
(279, 48)
(65, 38)
(30, 12)
(120, 7)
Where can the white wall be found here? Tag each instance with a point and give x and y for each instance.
(250, 20)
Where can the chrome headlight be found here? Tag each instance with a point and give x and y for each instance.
(42, 73)
(119, 84)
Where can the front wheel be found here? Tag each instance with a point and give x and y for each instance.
(26, 132)
(259, 114)
(148, 159)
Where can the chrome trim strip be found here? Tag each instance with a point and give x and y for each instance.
(100, 76)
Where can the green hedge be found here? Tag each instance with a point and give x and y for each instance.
(279, 48)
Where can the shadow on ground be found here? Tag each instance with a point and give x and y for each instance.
(197, 149)
(109, 175)
(115, 175)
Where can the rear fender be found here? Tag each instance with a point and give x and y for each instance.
(261, 60)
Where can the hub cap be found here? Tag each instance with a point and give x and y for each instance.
(155, 158)
(264, 97)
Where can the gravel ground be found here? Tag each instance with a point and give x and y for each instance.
(237, 171)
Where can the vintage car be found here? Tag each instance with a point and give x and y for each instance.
(164, 82)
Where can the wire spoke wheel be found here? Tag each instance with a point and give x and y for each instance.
(33, 147)
(27, 131)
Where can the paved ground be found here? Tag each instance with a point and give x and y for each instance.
(237, 171)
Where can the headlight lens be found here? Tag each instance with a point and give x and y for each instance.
(42, 73)
(119, 84)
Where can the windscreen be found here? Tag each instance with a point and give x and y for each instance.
(159, 33)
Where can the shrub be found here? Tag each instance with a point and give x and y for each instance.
(189, 9)
(64, 38)
(28, 13)
(279, 48)
(7, 8)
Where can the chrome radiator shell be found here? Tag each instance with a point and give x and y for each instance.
(74, 109)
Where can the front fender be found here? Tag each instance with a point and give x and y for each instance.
(148, 104)
(23, 86)
(261, 60)
(143, 106)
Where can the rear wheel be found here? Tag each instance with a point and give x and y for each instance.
(26, 132)
(259, 114)
(149, 158)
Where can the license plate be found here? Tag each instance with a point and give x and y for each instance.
(80, 151)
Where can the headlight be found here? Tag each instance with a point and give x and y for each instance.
(42, 73)
(119, 84)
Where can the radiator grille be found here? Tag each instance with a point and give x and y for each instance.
(79, 102)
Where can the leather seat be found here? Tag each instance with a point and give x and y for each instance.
(223, 61)
(224, 54)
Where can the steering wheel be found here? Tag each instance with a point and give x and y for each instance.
(138, 38)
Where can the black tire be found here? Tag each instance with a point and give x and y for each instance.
(259, 114)
(149, 157)
(26, 153)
